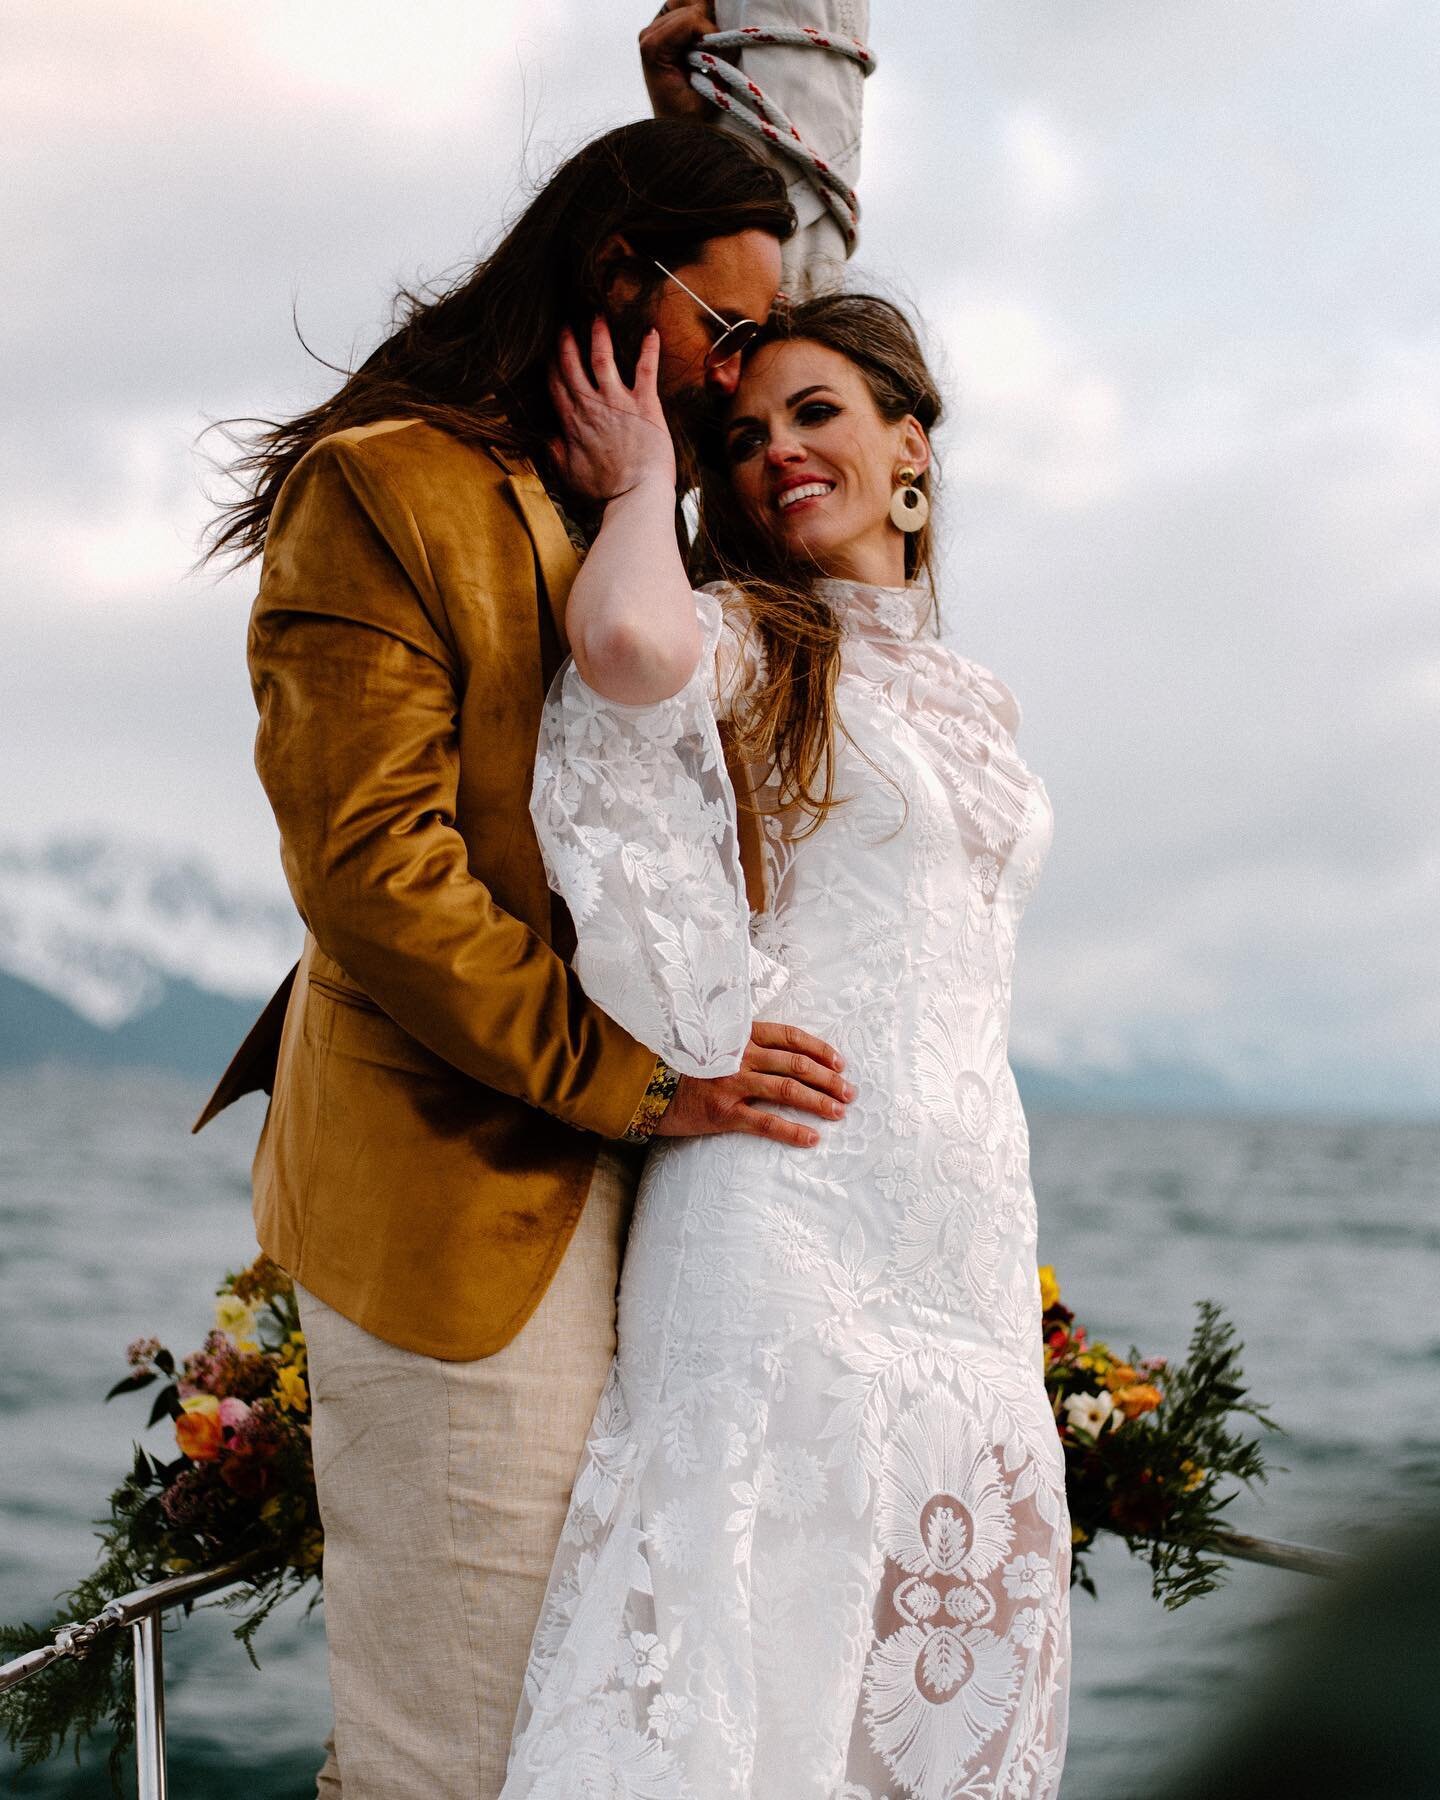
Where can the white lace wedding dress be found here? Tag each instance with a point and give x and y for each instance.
(818, 1544)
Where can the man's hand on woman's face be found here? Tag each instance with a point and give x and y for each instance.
(783, 1066)
(614, 438)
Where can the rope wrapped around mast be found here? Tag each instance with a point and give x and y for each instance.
(752, 111)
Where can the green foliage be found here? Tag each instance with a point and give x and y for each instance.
(73, 1698)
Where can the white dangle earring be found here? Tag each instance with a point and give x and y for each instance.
(909, 509)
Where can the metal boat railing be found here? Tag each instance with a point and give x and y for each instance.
(143, 1611)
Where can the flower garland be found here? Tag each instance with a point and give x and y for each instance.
(1147, 1446)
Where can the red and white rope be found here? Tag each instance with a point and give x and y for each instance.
(752, 110)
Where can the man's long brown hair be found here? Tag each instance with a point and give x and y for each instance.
(789, 726)
(472, 359)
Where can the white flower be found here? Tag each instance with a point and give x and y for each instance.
(906, 1116)
(792, 1236)
(671, 1716)
(986, 871)
(1088, 1412)
(791, 1483)
(898, 1177)
(1027, 1628)
(672, 1536)
(1029, 1576)
(876, 940)
(643, 1660)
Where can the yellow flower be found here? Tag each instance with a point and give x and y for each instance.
(236, 1320)
(201, 1403)
(309, 1552)
(291, 1392)
(1193, 1474)
(1049, 1287)
(1120, 1375)
(1077, 1536)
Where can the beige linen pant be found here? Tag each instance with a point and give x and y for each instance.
(443, 1488)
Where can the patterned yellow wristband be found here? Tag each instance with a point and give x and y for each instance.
(653, 1104)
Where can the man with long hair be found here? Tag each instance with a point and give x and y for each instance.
(444, 1166)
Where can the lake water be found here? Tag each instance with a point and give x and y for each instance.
(1322, 1241)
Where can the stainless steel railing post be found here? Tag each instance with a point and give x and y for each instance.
(147, 1640)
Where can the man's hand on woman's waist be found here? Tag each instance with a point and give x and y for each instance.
(783, 1066)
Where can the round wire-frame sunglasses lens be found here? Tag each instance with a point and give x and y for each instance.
(731, 342)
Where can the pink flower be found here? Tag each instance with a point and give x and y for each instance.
(233, 1413)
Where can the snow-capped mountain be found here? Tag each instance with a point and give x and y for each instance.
(122, 954)
(107, 928)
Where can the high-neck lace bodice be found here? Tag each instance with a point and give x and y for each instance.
(866, 609)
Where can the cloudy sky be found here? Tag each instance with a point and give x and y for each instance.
(1177, 261)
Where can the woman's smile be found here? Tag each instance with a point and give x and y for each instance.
(801, 492)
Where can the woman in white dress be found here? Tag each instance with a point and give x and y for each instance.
(818, 1545)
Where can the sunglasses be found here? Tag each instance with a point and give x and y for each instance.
(733, 336)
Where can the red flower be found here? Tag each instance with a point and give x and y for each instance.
(247, 1476)
(1143, 1509)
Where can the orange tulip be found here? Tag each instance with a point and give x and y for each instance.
(199, 1435)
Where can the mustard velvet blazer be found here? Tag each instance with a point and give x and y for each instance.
(439, 1082)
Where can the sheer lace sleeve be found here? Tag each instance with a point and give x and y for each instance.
(637, 824)
(737, 667)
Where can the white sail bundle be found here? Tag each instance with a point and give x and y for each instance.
(807, 114)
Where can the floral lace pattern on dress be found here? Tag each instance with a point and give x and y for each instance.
(817, 1547)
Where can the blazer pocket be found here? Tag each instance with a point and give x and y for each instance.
(357, 1028)
(341, 992)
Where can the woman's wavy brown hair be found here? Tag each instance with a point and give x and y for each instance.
(789, 726)
(472, 359)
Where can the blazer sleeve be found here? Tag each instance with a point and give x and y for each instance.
(356, 681)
